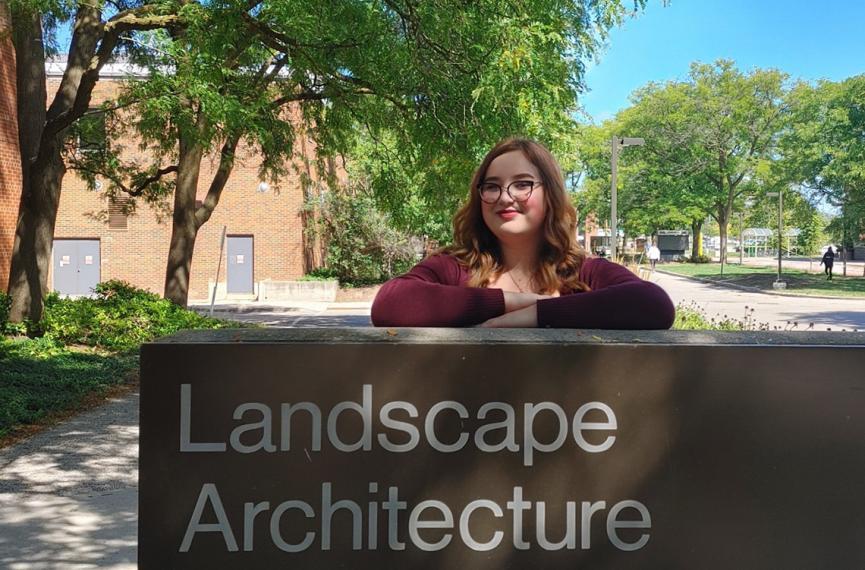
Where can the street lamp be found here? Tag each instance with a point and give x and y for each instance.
(778, 284)
(616, 143)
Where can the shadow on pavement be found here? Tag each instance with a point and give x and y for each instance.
(68, 496)
(838, 320)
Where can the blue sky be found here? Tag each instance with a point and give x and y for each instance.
(807, 39)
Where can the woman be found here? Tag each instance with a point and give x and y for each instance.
(515, 261)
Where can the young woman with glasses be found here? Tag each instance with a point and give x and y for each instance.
(515, 261)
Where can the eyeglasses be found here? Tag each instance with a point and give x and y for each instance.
(519, 191)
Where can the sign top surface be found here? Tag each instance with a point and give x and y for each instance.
(513, 336)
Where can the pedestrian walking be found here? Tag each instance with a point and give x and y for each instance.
(654, 255)
(828, 260)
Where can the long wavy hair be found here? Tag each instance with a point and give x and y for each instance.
(560, 256)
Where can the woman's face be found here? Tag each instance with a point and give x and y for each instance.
(508, 219)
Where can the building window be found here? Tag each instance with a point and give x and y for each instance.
(117, 216)
(91, 132)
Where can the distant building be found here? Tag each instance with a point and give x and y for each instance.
(96, 241)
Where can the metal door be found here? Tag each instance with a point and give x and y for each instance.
(76, 266)
(240, 264)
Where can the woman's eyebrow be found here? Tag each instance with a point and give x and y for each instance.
(520, 175)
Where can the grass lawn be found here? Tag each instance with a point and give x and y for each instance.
(798, 282)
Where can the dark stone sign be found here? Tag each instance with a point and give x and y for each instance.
(421, 448)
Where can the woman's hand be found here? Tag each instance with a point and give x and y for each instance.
(517, 301)
(527, 317)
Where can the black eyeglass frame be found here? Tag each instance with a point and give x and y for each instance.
(507, 189)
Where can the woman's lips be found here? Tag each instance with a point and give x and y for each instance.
(508, 214)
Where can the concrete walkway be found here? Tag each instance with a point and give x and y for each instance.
(69, 496)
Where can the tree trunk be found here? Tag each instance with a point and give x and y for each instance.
(624, 242)
(696, 242)
(307, 215)
(722, 230)
(184, 228)
(41, 171)
(34, 235)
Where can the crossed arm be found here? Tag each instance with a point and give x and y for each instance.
(432, 295)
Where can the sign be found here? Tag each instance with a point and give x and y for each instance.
(370, 448)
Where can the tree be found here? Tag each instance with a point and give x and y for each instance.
(825, 148)
(99, 31)
(705, 138)
(429, 85)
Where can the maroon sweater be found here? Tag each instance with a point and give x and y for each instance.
(435, 294)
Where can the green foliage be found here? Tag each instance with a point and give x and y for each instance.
(698, 259)
(5, 305)
(320, 274)
(120, 317)
(362, 245)
(692, 317)
(710, 141)
(825, 149)
(811, 234)
(40, 376)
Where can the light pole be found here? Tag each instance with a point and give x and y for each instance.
(616, 143)
(778, 284)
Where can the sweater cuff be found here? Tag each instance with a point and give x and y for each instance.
(485, 304)
(545, 313)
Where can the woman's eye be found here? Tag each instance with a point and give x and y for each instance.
(523, 185)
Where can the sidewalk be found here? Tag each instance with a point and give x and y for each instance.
(69, 495)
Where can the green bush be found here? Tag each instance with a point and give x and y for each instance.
(363, 246)
(5, 305)
(119, 317)
(320, 274)
(697, 259)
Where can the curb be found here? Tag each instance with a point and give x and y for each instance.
(268, 308)
(751, 289)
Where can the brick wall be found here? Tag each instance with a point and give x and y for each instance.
(138, 253)
(10, 159)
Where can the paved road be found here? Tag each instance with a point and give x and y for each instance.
(68, 497)
(776, 310)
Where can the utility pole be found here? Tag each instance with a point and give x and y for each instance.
(615, 144)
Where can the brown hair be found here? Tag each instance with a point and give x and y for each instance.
(560, 258)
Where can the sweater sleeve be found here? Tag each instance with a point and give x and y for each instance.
(431, 295)
(618, 300)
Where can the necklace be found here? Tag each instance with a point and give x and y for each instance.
(514, 281)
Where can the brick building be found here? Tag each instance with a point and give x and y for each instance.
(95, 241)
(10, 159)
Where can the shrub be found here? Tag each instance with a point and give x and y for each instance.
(697, 259)
(5, 305)
(363, 247)
(119, 317)
(692, 317)
(320, 274)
